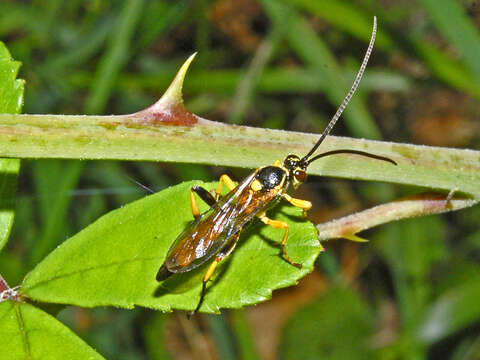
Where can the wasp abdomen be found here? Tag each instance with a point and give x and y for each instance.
(163, 273)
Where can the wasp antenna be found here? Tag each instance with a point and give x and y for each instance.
(145, 187)
(347, 98)
(349, 151)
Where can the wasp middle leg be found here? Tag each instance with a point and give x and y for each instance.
(280, 225)
(211, 269)
(224, 179)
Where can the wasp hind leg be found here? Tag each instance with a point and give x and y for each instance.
(280, 225)
(204, 195)
(211, 269)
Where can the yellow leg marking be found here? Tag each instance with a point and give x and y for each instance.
(277, 163)
(193, 203)
(280, 225)
(227, 181)
(302, 204)
(206, 277)
(210, 270)
(219, 258)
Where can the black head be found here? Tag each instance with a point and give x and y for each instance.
(296, 167)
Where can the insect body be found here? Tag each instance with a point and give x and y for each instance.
(215, 233)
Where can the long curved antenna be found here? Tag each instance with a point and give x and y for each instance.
(347, 151)
(345, 101)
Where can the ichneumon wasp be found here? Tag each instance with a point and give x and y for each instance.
(215, 232)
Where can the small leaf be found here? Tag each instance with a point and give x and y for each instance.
(11, 89)
(114, 261)
(336, 326)
(29, 333)
(11, 101)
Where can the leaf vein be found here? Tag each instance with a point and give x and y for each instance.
(92, 268)
(23, 333)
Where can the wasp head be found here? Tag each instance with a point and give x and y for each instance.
(296, 169)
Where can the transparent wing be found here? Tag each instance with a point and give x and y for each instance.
(209, 233)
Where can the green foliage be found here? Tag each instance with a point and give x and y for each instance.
(11, 89)
(338, 314)
(114, 260)
(29, 333)
(454, 310)
(53, 179)
(11, 101)
(77, 52)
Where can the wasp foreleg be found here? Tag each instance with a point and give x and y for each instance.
(227, 181)
(302, 204)
(211, 269)
(204, 195)
(280, 225)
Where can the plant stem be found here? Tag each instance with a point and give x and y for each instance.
(122, 138)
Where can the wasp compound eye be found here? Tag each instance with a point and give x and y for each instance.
(300, 175)
(270, 176)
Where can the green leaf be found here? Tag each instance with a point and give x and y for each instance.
(11, 101)
(114, 261)
(451, 312)
(8, 186)
(336, 326)
(453, 22)
(29, 333)
(315, 53)
(54, 182)
(411, 248)
(154, 333)
(11, 89)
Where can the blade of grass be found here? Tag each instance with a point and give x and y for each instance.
(241, 329)
(220, 334)
(450, 71)
(115, 56)
(81, 50)
(452, 21)
(357, 23)
(272, 80)
(158, 17)
(54, 182)
(348, 17)
(311, 49)
(248, 83)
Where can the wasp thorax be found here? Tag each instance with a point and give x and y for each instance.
(270, 176)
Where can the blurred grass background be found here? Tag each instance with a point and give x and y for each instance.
(411, 293)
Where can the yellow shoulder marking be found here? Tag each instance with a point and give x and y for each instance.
(256, 185)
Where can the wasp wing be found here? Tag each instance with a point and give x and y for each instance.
(207, 235)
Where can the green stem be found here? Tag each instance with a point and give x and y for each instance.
(207, 142)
